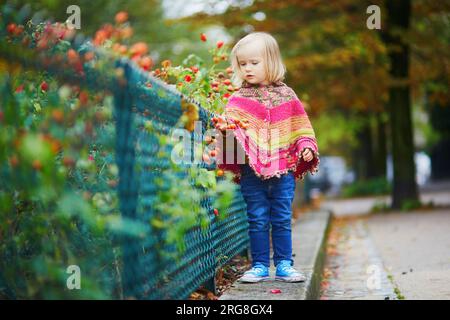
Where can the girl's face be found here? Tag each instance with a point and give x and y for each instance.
(251, 63)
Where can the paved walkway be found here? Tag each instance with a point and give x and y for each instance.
(396, 255)
(415, 248)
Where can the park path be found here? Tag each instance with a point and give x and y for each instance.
(415, 247)
(395, 255)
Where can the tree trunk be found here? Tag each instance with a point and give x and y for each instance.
(440, 159)
(366, 150)
(404, 186)
(440, 151)
(380, 146)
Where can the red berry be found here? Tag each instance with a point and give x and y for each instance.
(72, 55)
(216, 212)
(194, 69)
(18, 30)
(68, 162)
(121, 17)
(88, 56)
(275, 291)
(146, 63)
(44, 86)
(42, 44)
(188, 78)
(139, 48)
(219, 44)
(11, 27)
(83, 97)
(203, 37)
(19, 88)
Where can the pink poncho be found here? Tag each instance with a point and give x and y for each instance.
(276, 131)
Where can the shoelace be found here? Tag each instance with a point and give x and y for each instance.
(256, 269)
(287, 268)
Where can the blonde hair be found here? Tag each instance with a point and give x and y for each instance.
(274, 67)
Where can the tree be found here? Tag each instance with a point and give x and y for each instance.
(404, 184)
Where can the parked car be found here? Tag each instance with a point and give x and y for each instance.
(423, 168)
(331, 176)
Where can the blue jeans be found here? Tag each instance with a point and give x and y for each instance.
(269, 203)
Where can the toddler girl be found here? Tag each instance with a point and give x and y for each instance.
(272, 128)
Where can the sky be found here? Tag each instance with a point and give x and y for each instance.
(181, 8)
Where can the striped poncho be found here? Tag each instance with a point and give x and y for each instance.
(272, 131)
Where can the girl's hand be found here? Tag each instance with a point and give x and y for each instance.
(307, 154)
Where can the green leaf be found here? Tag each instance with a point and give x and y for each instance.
(37, 107)
(157, 223)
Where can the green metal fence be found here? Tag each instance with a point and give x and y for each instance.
(206, 251)
(145, 272)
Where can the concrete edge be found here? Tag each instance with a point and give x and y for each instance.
(313, 290)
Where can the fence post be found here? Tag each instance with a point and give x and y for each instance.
(125, 158)
(210, 284)
(246, 253)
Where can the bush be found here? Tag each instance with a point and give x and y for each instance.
(376, 186)
(58, 203)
